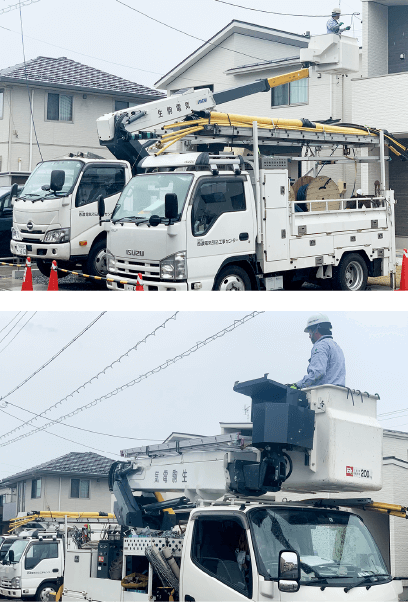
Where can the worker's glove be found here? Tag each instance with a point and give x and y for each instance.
(347, 28)
(340, 24)
(292, 386)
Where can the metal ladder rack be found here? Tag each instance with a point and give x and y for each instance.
(175, 448)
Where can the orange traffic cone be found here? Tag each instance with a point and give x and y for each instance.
(28, 277)
(53, 281)
(404, 272)
(139, 283)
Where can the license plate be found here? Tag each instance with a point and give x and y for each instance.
(21, 249)
(129, 287)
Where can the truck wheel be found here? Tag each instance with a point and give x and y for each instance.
(351, 274)
(96, 262)
(232, 278)
(44, 590)
(45, 268)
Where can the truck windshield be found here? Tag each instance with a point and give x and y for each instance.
(18, 546)
(144, 196)
(335, 548)
(41, 176)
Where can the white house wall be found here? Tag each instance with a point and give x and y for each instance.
(375, 36)
(56, 138)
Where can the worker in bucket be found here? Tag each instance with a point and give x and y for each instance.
(326, 365)
(333, 25)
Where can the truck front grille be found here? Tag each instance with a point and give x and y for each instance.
(149, 270)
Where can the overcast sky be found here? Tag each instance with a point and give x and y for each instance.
(192, 395)
(114, 38)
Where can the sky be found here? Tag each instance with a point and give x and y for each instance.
(191, 395)
(108, 35)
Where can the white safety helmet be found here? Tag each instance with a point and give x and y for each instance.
(315, 320)
(336, 11)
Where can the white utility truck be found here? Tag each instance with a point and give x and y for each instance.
(238, 543)
(55, 216)
(34, 564)
(207, 218)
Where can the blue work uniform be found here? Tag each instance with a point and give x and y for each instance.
(327, 365)
(333, 26)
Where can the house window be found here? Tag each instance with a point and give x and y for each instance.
(80, 488)
(21, 492)
(59, 107)
(294, 93)
(121, 104)
(1, 102)
(35, 488)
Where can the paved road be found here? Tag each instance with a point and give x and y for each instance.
(76, 283)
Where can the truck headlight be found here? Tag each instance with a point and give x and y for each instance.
(174, 267)
(58, 236)
(16, 234)
(110, 260)
(15, 582)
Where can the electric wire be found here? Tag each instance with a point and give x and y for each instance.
(270, 12)
(18, 5)
(48, 362)
(141, 377)
(28, 89)
(90, 56)
(78, 428)
(190, 35)
(12, 319)
(6, 335)
(18, 332)
(72, 441)
(95, 377)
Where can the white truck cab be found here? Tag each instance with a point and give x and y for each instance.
(33, 567)
(55, 216)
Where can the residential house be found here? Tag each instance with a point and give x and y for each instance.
(243, 52)
(74, 482)
(380, 94)
(51, 105)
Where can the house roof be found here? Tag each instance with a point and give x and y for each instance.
(240, 27)
(67, 74)
(74, 463)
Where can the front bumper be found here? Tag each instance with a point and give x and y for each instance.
(10, 592)
(39, 250)
(129, 284)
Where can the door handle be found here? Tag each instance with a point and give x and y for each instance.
(55, 570)
(244, 236)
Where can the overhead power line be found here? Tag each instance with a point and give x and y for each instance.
(189, 34)
(19, 320)
(18, 332)
(95, 377)
(271, 12)
(12, 320)
(137, 380)
(48, 362)
(20, 4)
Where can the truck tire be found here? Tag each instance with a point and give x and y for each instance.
(96, 262)
(44, 590)
(45, 268)
(351, 273)
(232, 278)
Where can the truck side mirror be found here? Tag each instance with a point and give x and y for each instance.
(288, 571)
(57, 180)
(11, 556)
(101, 207)
(171, 206)
(13, 191)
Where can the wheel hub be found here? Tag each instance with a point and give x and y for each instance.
(354, 276)
(232, 283)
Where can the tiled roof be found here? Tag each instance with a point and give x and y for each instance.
(65, 72)
(87, 463)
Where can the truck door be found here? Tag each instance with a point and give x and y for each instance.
(42, 562)
(221, 222)
(219, 566)
(106, 180)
